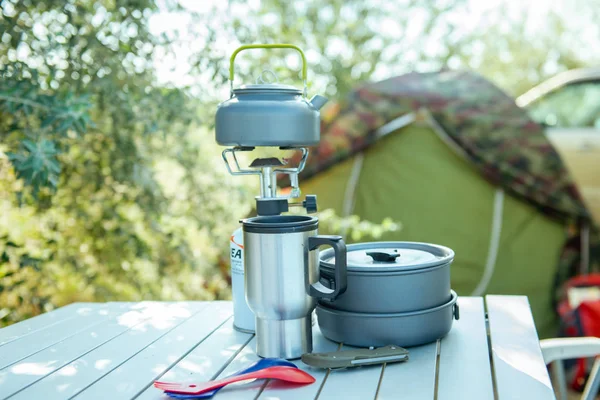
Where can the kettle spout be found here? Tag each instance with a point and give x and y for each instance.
(318, 101)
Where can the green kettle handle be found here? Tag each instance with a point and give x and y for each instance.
(267, 46)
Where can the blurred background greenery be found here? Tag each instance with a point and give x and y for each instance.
(111, 183)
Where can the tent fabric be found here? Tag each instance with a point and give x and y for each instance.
(437, 196)
(504, 144)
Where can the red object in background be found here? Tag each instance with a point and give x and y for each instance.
(589, 312)
(583, 320)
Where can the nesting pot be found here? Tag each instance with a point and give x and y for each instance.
(390, 277)
(402, 329)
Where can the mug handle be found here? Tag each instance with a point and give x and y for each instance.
(318, 290)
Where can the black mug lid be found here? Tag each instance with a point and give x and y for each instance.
(280, 224)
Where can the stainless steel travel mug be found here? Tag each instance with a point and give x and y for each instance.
(282, 280)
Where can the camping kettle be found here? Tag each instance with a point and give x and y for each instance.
(268, 113)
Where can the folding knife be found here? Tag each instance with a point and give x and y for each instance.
(356, 357)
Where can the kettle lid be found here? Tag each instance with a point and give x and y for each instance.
(271, 88)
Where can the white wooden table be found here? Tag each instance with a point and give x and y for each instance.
(116, 350)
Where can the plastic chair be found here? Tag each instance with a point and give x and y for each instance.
(558, 349)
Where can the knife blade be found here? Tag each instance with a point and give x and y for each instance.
(356, 357)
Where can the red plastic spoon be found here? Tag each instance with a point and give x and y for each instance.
(286, 374)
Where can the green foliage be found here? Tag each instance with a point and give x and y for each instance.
(37, 121)
(353, 228)
(36, 163)
(89, 153)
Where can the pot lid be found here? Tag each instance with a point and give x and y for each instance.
(271, 88)
(391, 256)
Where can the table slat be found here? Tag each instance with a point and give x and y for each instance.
(134, 376)
(43, 363)
(464, 366)
(250, 390)
(361, 382)
(520, 372)
(413, 379)
(273, 390)
(77, 375)
(42, 321)
(30, 344)
(204, 361)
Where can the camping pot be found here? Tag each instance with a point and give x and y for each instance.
(267, 113)
(281, 259)
(391, 277)
(402, 329)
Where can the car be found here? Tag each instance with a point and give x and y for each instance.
(568, 106)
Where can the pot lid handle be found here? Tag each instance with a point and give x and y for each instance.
(268, 46)
(383, 256)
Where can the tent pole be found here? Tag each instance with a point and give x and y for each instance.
(350, 192)
(395, 124)
(584, 268)
(495, 235)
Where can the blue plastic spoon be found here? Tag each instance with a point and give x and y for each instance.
(258, 365)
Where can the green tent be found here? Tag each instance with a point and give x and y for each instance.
(452, 159)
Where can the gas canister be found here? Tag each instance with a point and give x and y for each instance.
(243, 317)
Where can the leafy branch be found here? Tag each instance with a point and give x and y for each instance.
(36, 164)
(40, 121)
